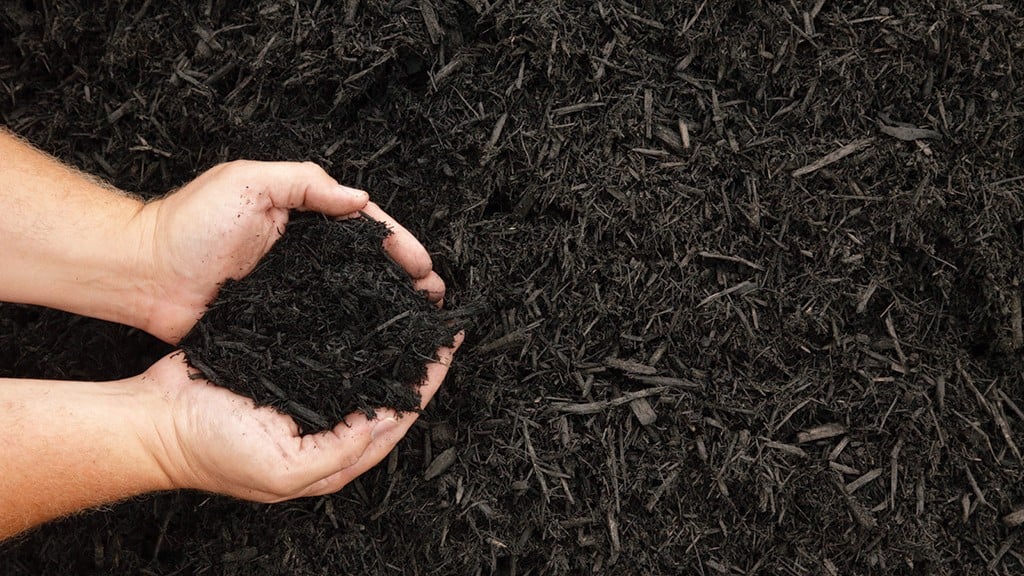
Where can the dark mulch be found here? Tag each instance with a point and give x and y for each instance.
(324, 326)
(755, 267)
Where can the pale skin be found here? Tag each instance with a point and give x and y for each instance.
(72, 243)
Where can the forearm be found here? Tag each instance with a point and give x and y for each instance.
(68, 446)
(67, 242)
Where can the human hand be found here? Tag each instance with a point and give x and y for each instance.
(223, 222)
(214, 440)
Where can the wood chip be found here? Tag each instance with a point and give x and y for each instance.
(1016, 322)
(660, 491)
(733, 259)
(684, 134)
(440, 464)
(596, 407)
(351, 7)
(447, 70)
(787, 448)
(909, 134)
(643, 411)
(510, 339)
(121, 111)
(434, 29)
(740, 289)
(843, 468)
(865, 296)
(668, 137)
(834, 157)
(868, 477)
(1008, 543)
(630, 366)
(860, 514)
(1014, 519)
(669, 381)
(820, 433)
(576, 108)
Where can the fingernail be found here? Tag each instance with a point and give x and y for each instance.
(384, 427)
(353, 193)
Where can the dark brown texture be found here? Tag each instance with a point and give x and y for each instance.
(325, 325)
(538, 149)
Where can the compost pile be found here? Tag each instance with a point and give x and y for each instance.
(755, 270)
(325, 325)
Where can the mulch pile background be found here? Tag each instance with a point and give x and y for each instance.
(711, 352)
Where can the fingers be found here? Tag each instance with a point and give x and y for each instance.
(384, 440)
(300, 186)
(306, 186)
(433, 286)
(436, 371)
(401, 245)
(324, 453)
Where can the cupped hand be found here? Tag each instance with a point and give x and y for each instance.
(222, 223)
(214, 440)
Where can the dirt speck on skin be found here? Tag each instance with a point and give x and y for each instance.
(616, 178)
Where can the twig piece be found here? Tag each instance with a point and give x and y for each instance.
(994, 411)
(744, 287)
(391, 322)
(866, 295)
(908, 134)
(787, 448)
(601, 406)
(860, 514)
(630, 366)
(576, 108)
(736, 259)
(660, 490)
(820, 433)
(1016, 322)
(833, 157)
(668, 381)
(684, 134)
(867, 478)
(1003, 549)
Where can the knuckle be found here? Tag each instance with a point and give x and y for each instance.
(312, 169)
(235, 170)
(235, 167)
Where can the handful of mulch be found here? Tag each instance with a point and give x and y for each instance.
(324, 326)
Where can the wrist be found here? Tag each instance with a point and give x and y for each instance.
(122, 278)
(163, 303)
(165, 409)
(143, 411)
(158, 444)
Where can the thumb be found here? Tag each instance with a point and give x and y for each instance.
(306, 186)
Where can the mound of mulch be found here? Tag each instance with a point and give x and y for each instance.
(755, 269)
(325, 325)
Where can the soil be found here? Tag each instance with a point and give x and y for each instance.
(755, 270)
(324, 326)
